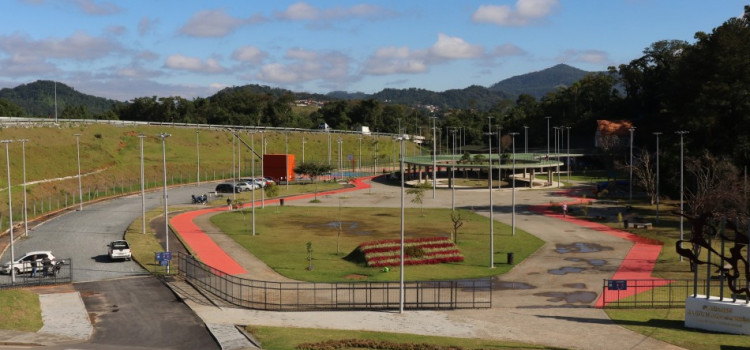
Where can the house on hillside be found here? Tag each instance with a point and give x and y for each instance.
(612, 134)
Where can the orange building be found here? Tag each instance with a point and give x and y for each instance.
(279, 167)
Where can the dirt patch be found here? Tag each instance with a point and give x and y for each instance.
(355, 276)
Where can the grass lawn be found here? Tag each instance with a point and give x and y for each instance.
(20, 310)
(282, 234)
(288, 338)
(668, 325)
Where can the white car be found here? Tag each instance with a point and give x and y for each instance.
(23, 264)
(119, 250)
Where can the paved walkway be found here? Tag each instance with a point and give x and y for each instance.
(547, 299)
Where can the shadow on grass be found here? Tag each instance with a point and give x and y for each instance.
(652, 323)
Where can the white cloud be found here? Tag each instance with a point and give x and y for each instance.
(193, 64)
(92, 8)
(249, 54)
(145, 25)
(449, 47)
(507, 49)
(302, 11)
(307, 66)
(215, 23)
(524, 13)
(586, 56)
(79, 46)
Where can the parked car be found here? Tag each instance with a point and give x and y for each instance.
(258, 181)
(119, 249)
(247, 185)
(227, 188)
(23, 264)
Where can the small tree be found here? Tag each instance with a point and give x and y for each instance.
(418, 193)
(313, 170)
(309, 256)
(457, 223)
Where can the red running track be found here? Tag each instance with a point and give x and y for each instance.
(638, 263)
(209, 252)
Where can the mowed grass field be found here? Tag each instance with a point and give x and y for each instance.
(282, 234)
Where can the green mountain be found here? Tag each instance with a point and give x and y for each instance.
(539, 83)
(38, 100)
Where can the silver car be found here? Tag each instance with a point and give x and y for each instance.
(119, 250)
(23, 264)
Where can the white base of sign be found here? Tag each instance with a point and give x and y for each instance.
(718, 316)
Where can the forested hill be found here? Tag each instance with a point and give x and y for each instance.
(539, 83)
(38, 99)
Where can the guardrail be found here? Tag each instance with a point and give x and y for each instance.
(659, 293)
(60, 276)
(310, 296)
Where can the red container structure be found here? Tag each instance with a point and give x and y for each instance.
(279, 167)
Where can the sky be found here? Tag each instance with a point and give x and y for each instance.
(194, 48)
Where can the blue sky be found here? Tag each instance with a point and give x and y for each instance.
(193, 48)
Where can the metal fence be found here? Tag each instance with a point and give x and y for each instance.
(310, 296)
(659, 293)
(61, 276)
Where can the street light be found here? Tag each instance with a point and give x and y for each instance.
(513, 191)
(303, 149)
(10, 210)
(489, 174)
(557, 156)
(682, 183)
(401, 269)
(286, 160)
(25, 211)
(163, 137)
(453, 170)
(143, 190)
(548, 118)
(434, 157)
(198, 153)
(631, 164)
(567, 166)
(359, 159)
(499, 157)
(525, 139)
(252, 170)
(657, 175)
(78, 157)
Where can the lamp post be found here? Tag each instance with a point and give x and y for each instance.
(143, 190)
(499, 157)
(78, 157)
(548, 118)
(25, 211)
(328, 132)
(453, 171)
(286, 160)
(567, 165)
(513, 191)
(657, 175)
(341, 170)
(630, 184)
(234, 168)
(252, 169)
(682, 183)
(198, 154)
(489, 175)
(163, 137)
(401, 267)
(10, 211)
(557, 163)
(434, 157)
(525, 139)
(359, 159)
(303, 149)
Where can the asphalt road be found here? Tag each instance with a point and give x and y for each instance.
(83, 235)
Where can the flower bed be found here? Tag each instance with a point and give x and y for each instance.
(417, 251)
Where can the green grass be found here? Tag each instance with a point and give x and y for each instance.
(668, 325)
(282, 234)
(288, 338)
(20, 310)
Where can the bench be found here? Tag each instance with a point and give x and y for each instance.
(647, 225)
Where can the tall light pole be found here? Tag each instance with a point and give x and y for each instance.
(548, 118)
(434, 157)
(10, 210)
(143, 189)
(55, 101)
(78, 157)
(286, 160)
(198, 154)
(163, 137)
(557, 156)
(453, 170)
(25, 211)
(303, 149)
(234, 167)
(489, 174)
(657, 175)
(525, 139)
(567, 165)
(630, 195)
(328, 132)
(401, 267)
(341, 171)
(359, 159)
(499, 157)
(513, 191)
(252, 169)
(682, 183)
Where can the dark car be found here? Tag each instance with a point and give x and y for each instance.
(227, 188)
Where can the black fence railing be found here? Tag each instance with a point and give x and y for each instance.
(659, 293)
(62, 274)
(309, 296)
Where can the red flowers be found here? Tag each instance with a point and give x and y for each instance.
(417, 251)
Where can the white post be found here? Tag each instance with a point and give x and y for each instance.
(78, 157)
(513, 191)
(434, 158)
(10, 212)
(682, 185)
(198, 153)
(163, 137)
(25, 214)
(492, 208)
(143, 190)
(401, 269)
(657, 175)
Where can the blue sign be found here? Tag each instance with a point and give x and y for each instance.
(163, 257)
(164, 262)
(617, 285)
